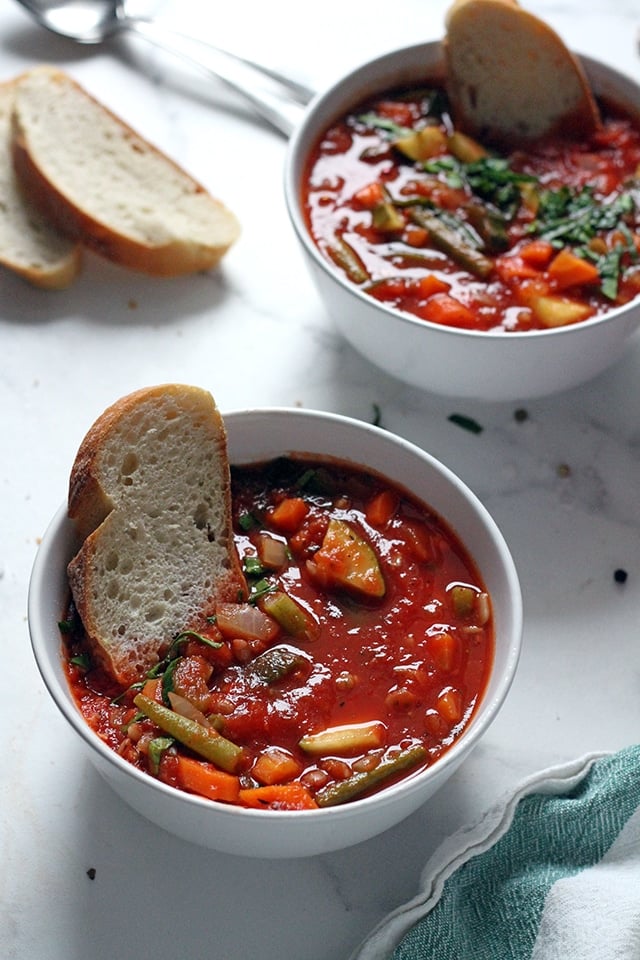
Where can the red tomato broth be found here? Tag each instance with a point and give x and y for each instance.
(399, 264)
(406, 661)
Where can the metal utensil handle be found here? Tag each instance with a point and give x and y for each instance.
(277, 99)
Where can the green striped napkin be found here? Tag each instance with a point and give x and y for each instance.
(553, 873)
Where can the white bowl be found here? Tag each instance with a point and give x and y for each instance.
(254, 436)
(445, 360)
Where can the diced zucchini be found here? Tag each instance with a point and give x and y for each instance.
(386, 218)
(344, 740)
(294, 619)
(422, 144)
(558, 311)
(465, 148)
(346, 560)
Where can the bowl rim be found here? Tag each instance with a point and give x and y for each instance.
(301, 143)
(59, 536)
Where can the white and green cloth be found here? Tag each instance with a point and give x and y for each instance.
(553, 873)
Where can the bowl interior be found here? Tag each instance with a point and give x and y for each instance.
(254, 436)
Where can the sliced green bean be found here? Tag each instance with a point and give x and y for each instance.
(451, 242)
(343, 790)
(205, 741)
(347, 259)
(491, 225)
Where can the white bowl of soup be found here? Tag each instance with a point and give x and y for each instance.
(444, 271)
(397, 659)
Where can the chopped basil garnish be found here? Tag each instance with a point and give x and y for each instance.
(157, 747)
(467, 423)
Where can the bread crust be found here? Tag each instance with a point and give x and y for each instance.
(511, 79)
(29, 245)
(151, 565)
(85, 220)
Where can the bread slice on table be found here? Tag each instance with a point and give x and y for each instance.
(28, 244)
(510, 77)
(150, 495)
(100, 183)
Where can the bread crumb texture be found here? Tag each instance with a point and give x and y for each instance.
(164, 552)
(29, 245)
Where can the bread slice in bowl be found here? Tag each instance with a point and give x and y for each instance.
(510, 78)
(29, 245)
(104, 186)
(149, 493)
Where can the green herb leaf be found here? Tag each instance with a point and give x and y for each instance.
(166, 685)
(467, 423)
(157, 747)
(194, 635)
(385, 124)
(81, 660)
(260, 588)
(246, 521)
(489, 178)
(253, 567)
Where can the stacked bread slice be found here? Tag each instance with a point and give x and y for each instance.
(150, 496)
(78, 176)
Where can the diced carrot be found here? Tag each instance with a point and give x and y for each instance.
(568, 270)
(445, 650)
(445, 309)
(429, 285)
(370, 196)
(203, 778)
(284, 796)
(152, 689)
(275, 765)
(381, 508)
(289, 514)
(537, 252)
(449, 705)
(415, 236)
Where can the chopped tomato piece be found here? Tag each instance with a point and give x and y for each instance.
(370, 196)
(400, 113)
(514, 267)
(382, 507)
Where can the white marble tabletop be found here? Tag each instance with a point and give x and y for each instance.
(564, 485)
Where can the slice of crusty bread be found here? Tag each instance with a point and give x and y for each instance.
(150, 495)
(28, 244)
(102, 184)
(510, 77)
